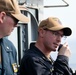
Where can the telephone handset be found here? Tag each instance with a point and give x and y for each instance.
(60, 46)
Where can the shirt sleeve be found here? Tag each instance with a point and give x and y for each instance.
(61, 66)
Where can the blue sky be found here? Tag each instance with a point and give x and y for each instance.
(67, 15)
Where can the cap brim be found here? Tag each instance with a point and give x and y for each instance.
(66, 30)
(21, 18)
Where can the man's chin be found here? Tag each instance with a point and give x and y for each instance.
(8, 34)
(54, 50)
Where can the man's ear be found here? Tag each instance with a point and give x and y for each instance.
(41, 32)
(2, 16)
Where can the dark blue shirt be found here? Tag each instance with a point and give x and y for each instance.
(34, 62)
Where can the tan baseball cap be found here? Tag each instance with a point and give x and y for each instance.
(54, 24)
(12, 7)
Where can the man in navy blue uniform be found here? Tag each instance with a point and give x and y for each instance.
(9, 16)
(38, 61)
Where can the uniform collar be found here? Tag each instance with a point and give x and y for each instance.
(32, 46)
(35, 49)
(6, 45)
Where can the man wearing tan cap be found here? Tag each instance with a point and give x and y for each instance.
(37, 60)
(9, 16)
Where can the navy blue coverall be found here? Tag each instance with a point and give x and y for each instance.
(8, 57)
(34, 62)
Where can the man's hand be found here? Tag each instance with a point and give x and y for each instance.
(65, 50)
